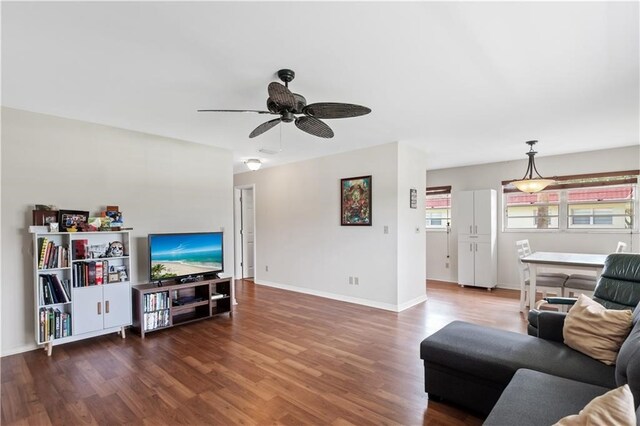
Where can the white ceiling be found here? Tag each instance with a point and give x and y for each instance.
(467, 82)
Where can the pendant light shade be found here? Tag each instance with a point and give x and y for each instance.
(253, 164)
(529, 183)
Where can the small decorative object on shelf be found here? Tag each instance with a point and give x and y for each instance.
(116, 249)
(72, 220)
(53, 227)
(45, 217)
(114, 217)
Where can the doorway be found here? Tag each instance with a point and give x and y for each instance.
(245, 250)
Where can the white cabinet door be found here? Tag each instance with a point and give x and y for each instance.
(463, 204)
(466, 263)
(87, 309)
(483, 209)
(117, 305)
(484, 269)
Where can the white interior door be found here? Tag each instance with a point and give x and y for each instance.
(247, 233)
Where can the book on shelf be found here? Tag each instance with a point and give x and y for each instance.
(49, 296)
(58, 291)
(80, 249)
(92, 273)
(98, 273)
(43, 243)
(53, 324)
(56, 316)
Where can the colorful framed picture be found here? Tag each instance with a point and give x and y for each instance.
(70, 220)
(44, 217)
(355, 201)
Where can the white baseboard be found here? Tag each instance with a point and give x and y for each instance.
(343, 298)
(411, 303)
(19, 350)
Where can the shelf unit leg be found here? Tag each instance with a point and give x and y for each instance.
(49, 348)
(122, 332)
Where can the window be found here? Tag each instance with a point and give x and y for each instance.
(579, 202)
(532, 211)
(438, 207)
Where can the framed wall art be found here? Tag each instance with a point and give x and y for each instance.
(413, 198)
(70, 220)
(355, 201)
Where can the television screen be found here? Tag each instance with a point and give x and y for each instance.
(181, 255)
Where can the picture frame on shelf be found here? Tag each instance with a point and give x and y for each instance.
(355, 201)
(44, 217)
(71, 220)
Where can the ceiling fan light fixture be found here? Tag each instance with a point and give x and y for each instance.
(253, 164)
(529, 183)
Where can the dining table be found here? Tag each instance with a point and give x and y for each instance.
(559, 260)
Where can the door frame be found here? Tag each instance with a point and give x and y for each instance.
(237, 224)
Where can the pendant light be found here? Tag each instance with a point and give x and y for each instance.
(529, 183)
(253, 164)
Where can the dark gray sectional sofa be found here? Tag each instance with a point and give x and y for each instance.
(516, 379)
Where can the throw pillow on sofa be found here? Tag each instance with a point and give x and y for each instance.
(615, 407)
(596, 331)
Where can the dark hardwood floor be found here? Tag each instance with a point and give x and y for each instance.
(283, 358)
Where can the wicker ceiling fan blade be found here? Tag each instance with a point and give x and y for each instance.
(314, 127)
(235, 110)
(264, 127)
(335, 110)
(282, 96)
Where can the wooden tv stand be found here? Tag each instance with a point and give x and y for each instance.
(157, 308)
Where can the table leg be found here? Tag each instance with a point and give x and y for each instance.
(533, 271)
(523, 296)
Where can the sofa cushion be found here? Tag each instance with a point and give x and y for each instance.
(615, 407)
(495, 355)
(535, 399)
(596, 331)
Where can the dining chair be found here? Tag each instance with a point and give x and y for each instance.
(585, 284)
(546, 282)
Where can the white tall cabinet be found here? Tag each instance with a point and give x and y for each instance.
(476, 219)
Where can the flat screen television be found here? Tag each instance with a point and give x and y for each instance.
(176, 256)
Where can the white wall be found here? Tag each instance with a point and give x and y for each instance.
(298, 232)
(412, 164)
(490, 176)
(161, 185)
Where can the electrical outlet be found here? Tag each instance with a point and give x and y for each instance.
(266, 268)
(351, 280)
(356, 281)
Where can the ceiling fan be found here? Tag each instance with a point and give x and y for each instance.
(293, 107)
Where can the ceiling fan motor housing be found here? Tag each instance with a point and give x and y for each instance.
(286, 75)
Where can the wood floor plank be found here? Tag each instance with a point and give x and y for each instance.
(282, 358)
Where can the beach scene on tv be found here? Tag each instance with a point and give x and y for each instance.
(177, 255)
